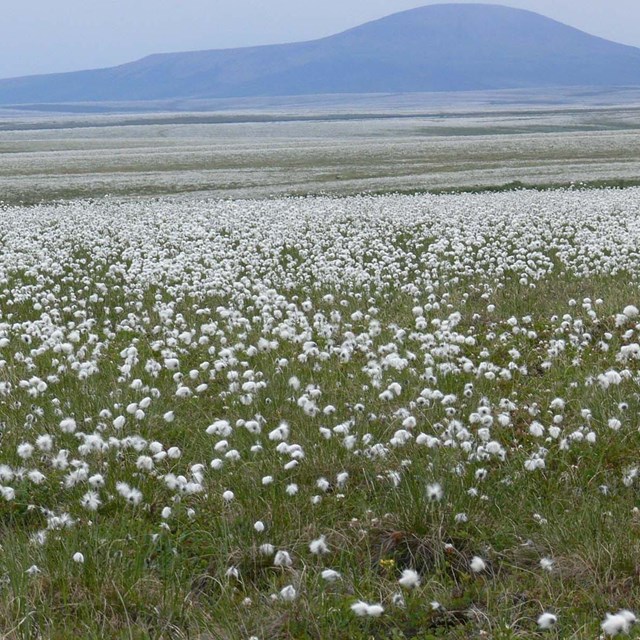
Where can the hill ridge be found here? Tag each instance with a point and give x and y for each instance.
(441, 47)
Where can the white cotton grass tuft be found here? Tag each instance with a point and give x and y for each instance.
(397, 599)
(319, 546)
(477, 564)
(288, 593)
(434, 492)
(280, 433)
(409, 579)
(614, 424)
(330, 575)
(363, 609)
(44, 443)
(25, 450)
(617, 623)
(8, 493)
(232, 572)
(282, 559)
(546, 621)
(131, 495)
(91, 500)
(68, 425)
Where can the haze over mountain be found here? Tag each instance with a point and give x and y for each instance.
(447, 47)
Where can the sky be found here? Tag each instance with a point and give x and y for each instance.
(47, 36)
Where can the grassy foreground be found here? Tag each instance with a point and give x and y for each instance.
(205, 406)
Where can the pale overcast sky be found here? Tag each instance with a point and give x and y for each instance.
(45, 36)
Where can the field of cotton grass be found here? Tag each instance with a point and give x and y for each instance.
(375, 144)
(371, 417)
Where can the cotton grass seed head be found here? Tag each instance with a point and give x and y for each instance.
(409, 579)
(434, 492)
(546, 621)
(477, 564)
(362, 609)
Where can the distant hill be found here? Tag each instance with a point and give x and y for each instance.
(446, 47)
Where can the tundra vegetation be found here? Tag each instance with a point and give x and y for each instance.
(369, 417)
(369, 145)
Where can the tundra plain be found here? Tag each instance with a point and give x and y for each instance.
(341, 146)
(327, 416)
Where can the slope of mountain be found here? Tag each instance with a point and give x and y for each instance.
(446, 47)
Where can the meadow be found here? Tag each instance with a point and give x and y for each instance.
(398, 416)
(338, 145)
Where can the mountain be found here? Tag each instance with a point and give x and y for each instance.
(445, 47)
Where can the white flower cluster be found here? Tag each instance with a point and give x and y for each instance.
(165, 359)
